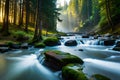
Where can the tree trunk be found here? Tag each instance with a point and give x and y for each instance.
(20, 14)
(107, 4)
(15, 12)
(38, 27)
(5, 27)
(27, 15)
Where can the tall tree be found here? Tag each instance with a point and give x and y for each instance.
(20, 13)
(108, 12)
(5, 27)
(15, 12)
(38, 23)
(27, 3)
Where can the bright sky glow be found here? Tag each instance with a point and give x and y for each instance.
(61, 2)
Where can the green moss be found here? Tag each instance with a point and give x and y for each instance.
(73, 72)
(40, 45)
(57, 52)
(99, 77)
(51, 41)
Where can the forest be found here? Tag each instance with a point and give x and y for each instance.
(28, 16)
(40, 16)
(59, 39)
(97, 16)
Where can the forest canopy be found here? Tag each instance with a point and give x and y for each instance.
(97, 16)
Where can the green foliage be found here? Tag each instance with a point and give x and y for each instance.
(20, 35)
(51, 41)
(73, 72)
(9, 43)
(40, 45)
(49, 14)
(61, 34)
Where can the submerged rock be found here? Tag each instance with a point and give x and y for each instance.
(117, 46)
(59, 59)
(99, 77)
(73, 72)
(71, 43)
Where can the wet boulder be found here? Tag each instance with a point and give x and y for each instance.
(71, 43)
(85, 36)
(73, 72)
(117, 46)
(99, 77)
(58, 59)
(24, 45)
(109, 42)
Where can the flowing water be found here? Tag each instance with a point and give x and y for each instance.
(24, 64)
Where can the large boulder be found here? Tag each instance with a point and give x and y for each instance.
(59, 59)
(71, 43)
(73, 72)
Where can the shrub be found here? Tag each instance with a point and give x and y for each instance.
(40, 45)
(10, 43)
(51, 41)
(20, 36)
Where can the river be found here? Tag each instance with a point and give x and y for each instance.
(24, 65)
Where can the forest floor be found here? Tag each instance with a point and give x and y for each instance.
(15, 31)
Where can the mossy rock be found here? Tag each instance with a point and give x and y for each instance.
(73, 72)
(51, 41)
(99, 77)
(40, 45)
(60, 59)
